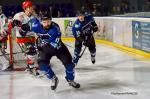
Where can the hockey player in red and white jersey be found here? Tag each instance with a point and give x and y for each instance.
(4, 60)
(26, 39)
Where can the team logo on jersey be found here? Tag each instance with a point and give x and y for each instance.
(76, 25)
(34, 25)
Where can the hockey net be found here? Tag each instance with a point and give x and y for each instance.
(17, 57)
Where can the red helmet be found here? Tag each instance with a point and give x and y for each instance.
(27, 4)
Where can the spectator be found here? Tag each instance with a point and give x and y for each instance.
(147, 6)
(95, 11)
(124, 7)
(59, 13)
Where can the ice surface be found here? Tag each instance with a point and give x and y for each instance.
(116, 75)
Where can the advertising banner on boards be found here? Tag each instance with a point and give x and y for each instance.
(68, 27)
(141, 35)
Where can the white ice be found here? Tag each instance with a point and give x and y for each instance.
(116, 75)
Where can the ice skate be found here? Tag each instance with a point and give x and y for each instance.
(73, 83)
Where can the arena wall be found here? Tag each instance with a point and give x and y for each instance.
(129, 32)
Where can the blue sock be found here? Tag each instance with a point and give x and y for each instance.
(77, 51)
(47, 69)
(70, 72)
(76, 55)
(92, 51)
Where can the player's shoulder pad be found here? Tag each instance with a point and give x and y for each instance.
(2, 16)
(77, 24)
(56, 26)
(89, 17)
(34, 19)
(19, 16)
(35, 23)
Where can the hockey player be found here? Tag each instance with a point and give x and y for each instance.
(25, 38)
(4, 60)
(83, 30)
(51, 45)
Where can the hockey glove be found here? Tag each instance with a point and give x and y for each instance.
(16, 23)
(86, 43)
(80, 39)
(95, 27)
(24, 29)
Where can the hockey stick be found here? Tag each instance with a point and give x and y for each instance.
(84, 47)
(82, 52)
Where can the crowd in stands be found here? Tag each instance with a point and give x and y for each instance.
(68, 9)
(56, 10)
(121, 8)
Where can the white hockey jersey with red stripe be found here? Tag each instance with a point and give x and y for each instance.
(24, 19)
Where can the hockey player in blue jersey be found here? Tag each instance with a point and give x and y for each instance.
(49, 45)
(83, 30)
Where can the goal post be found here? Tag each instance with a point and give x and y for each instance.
(17, 58)
(10, 45)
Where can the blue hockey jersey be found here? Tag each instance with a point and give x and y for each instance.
(51, 36)
(84, 27)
